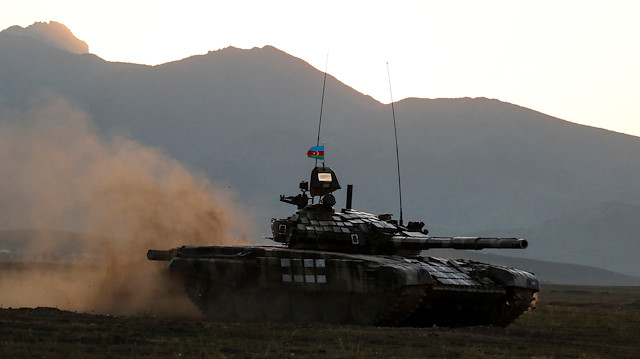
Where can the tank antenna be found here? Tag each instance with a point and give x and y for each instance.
(395, 131)
(324, 84)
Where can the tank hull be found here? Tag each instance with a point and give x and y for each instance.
(274, 283)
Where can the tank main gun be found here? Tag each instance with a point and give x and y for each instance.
(417, 241)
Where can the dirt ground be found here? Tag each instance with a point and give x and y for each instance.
(574, 322)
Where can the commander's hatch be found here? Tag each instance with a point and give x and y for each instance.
(323, 181)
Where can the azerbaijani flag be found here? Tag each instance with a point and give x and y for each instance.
(316, 152)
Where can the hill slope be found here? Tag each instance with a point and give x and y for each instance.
(604, 236)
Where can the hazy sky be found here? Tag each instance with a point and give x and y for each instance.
(576, 60)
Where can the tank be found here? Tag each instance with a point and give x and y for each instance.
(351, 267)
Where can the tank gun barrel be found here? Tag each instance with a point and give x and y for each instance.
(425, 242)
(161, 255)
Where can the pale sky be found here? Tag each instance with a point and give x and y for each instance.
(575, 60)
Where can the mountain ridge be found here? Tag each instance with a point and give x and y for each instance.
(469, 165)
(52, 33)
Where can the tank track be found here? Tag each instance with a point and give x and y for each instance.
(405, 304)
(518, 302)
(225, 302)
(449, 308)
(409, 306)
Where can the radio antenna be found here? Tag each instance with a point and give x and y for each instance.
(324, 84)
(395, 131)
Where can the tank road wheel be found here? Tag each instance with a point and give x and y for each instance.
(197, 290)
(225, 304)
(366, 308)
(305, 308)
(494, 311)
(519, 300)
(247, 304)
(276, 306)
(213, 300)
(219, 304)
(335, 308)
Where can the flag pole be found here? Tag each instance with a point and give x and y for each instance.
(324, 155)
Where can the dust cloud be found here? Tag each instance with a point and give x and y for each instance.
(121, 198)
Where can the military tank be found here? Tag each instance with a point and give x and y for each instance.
(352, 267)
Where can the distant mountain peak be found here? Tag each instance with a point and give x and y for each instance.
(52, 33)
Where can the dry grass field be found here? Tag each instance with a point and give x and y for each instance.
(569, 322)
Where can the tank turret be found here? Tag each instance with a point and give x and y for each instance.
(317, 226)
